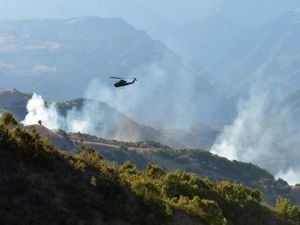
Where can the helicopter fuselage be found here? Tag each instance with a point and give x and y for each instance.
(122, 83)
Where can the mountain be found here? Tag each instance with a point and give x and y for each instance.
(285, 115)
(148, 148)
(271, 61)
(198, 136)
(265, 132)
(197, 161)
(14, 101)
(105, 121)
(64, 55)
(71, 58)
(109, 123)
(215, 42)
(83, 188)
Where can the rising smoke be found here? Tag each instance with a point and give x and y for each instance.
(156, 99)
(92, 118)
(162, 97)
(264, 132)
(165, 97)
(37, 110)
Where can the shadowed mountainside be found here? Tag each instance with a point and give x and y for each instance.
(14, 101)
(82, 188)
(197, 161)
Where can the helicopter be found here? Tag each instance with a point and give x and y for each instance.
(122, 81)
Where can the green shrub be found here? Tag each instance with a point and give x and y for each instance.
(7, 118)
(287, 210)
(238, 193)
(207, 210)
(89, 156)
(179, 183)
(155, 171)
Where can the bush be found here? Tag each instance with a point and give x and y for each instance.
(155, 171)
(31, 144)
(207, 210)
(238, 193)
(287, 210)
(89, 156)
(8, 119)
(179, 183)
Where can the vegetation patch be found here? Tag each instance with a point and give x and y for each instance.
(64, 188)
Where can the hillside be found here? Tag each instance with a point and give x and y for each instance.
(14, 101)
(265, 133)
(108, 122)
(214, 42)
(197, 161)
(198, 136)
(72, 58)
(271, 60)
(84, 189)
(66, 54)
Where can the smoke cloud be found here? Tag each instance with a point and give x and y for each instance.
(165, 97)
(162, 97)
(37, 110)
(155, 99)
(92, 118)
(265, 132)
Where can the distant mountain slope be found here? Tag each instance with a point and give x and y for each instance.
(14, 101)
(64, 55)
(215, 41)
(108, 122)
(114, 124)
(271, 61)
(59, 59)
(200, 136)
(266, 133)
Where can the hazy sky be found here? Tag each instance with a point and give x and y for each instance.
(157, 17)
(20, 9)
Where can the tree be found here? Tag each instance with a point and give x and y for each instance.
(287, 210)
(155, 171)
(89, 155)
(7, 118)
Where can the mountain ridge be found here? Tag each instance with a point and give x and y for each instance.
(73, 56)
(198, 161)
(270, 61)
(112, 123)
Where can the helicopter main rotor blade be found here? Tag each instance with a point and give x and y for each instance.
(116, 78)
(124, 78)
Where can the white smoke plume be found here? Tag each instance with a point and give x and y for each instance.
(265, 134)
(37, 110)
(147, 101)
(161, 98)
(91, 118)
(164, 97)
